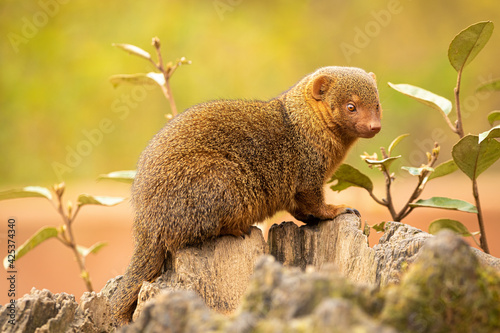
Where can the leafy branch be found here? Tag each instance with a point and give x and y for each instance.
(64, 232)
(162, 79)
(347, 176)
(472, 154)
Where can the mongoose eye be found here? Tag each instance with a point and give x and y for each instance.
(351, 107)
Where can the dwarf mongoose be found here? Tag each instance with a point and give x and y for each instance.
(221, 166)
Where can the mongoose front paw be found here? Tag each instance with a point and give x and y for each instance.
(351, 211)
(246, 233)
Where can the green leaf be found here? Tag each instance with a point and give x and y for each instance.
(132, 49)
(93, 249)
(86, 199)
(490, 86)
(26, 192)
(444, 169)
(445, 203)
(39, 237)
(453, 225)
(395, 142)
(424, 96)
(493, 116)
(473, 157)
(125, 176)
(468, 43)
(348, 176)
(386, 162)
(417, 171)
(158, 78)
(138, 79)
(379, 227)
(491, 133)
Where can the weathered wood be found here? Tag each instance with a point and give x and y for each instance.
(339, 241)
(342, 243)
(218, 270)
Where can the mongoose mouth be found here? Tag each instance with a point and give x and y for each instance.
(371, 132)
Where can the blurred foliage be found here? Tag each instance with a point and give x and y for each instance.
(55, 95)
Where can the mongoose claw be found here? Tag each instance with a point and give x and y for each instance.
(352, 211)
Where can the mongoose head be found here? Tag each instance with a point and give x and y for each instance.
(347, 99)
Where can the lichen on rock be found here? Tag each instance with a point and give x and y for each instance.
(446, 288)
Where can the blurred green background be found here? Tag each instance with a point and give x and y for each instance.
(56, 58)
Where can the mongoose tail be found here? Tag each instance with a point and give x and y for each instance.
(145, 265)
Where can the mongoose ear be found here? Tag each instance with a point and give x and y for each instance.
(320, 86)
(373, 76)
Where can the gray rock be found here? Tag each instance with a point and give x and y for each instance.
(43, 311)
(289, 299)
(398, 247)
(446, 289)
(40, 311)
(93, 314)
(176, 311)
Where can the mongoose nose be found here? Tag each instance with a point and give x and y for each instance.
(375, 128)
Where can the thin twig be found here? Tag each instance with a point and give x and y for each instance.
(170, 97)
(377, 200)
(70, 239)
(458, 126)
(482, 238)
(390, 204)
(450, 124)
(388, 182)
(422, 181)
(460, 131)
(167, 73)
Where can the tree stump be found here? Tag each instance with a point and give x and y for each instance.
(218, 270)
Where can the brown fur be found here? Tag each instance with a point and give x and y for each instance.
(222, 166)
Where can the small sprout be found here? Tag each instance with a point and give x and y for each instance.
(367, 156)
(156, 42)
(59, 189)
(70, 209)
(84, 275)
(436, 150)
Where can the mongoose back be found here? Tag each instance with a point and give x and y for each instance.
(221, 166)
